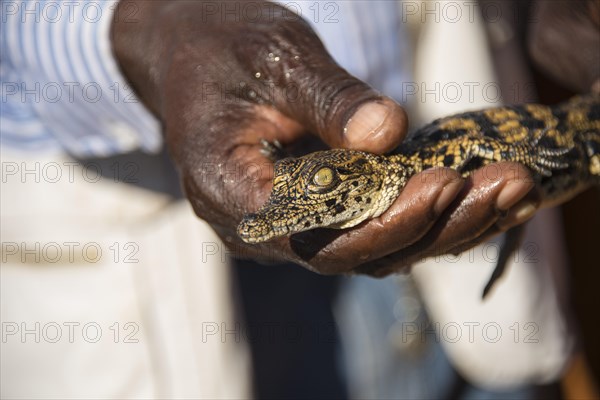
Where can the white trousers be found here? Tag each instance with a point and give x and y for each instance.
(110, 291)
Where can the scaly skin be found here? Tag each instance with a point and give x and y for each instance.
(342, 188)
(561, 146)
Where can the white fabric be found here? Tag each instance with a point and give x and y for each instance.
(525, 308)
(519, 334)
(162, 276)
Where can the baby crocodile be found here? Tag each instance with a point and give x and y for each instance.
(341, 188)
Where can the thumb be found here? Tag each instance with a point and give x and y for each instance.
(376, 125)
(305, 83)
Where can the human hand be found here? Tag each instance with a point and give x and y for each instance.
(220, 86)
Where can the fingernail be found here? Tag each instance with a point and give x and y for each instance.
(522, 212)
(447, 195)
(366, 121)
(510, 194)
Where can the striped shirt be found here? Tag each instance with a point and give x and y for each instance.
(62, 89)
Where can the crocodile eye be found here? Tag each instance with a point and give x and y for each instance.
(323, 177)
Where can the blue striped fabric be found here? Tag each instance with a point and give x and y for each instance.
(62, 89)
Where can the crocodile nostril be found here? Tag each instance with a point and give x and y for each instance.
(254, 228)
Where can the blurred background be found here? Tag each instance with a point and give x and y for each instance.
(112, 288)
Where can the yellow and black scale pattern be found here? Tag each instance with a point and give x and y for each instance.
(341, 188)
(560, 145)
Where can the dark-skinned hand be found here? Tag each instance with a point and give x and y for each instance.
(220, 85)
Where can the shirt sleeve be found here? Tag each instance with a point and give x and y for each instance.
(61, 85)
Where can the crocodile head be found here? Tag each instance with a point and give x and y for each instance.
(333, 189)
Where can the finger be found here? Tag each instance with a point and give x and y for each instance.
(519, 214)
(486, 198)
(417, 208)
(305, 83)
